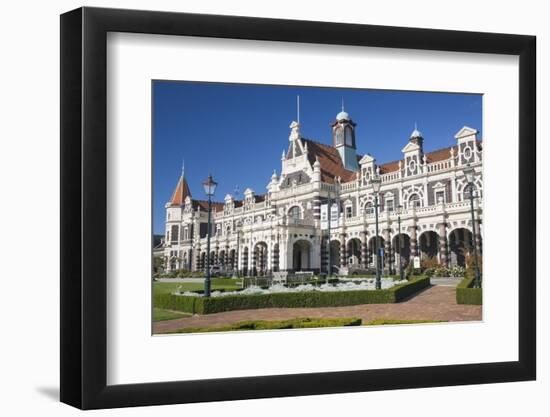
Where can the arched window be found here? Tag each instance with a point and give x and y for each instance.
(174, 233)
(294, 212)
(414, 200)
(369, 208)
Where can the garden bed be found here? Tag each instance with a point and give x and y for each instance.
(201, 305)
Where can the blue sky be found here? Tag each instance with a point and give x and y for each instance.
(237, 132)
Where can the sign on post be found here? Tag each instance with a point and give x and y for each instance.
(334, 214)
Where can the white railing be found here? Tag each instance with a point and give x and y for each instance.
(328, 187)
(292, 191)
(390, 176)
(439, 166)
(349, 186)
(424, 169)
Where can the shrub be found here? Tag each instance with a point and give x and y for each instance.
(465, 294)
(470, 264)
(379, 322)
(407, 289)
(175, 302)
(298, 323)
(429, 262)
(201, 305)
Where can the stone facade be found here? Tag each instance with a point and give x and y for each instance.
(281, 230)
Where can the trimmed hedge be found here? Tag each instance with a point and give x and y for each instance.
(465, 294)
(201, 305)
(298, 323)
(381, 322)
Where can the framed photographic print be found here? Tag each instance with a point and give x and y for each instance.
(257, 208)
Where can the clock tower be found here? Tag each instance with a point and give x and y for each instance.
(343, 139)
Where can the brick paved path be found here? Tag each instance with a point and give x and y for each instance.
(434, 303)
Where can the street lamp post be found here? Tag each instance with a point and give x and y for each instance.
(209, 189)
(469, 173)
(238, 249)
(400, 243)
(376, 182)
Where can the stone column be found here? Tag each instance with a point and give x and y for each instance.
(364, 249)
(253, 263)
(324, 254)
(343, 254)
(275, 259)
(261, 259)
(226, 256)
(198, 259)
(316, 207)
(216, 255)
(387, 250)
(443, 244)
(414, 241)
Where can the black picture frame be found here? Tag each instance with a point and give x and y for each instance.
(84, 207)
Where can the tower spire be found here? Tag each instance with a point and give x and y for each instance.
(182, 178)
(298, 108)
(342, 103)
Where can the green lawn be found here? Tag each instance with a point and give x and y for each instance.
(217, 284)
(160, 314)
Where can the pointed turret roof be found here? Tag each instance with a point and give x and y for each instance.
(181, 192)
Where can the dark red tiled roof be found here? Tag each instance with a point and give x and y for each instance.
(331, 163)
(433, 156)
(441, 154)
(389, 167)
(203, 204)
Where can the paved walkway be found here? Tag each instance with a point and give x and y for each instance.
(434, 303)
(448, 282)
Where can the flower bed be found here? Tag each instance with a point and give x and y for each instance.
(197, 304)
(441, 271)
(362, 285)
